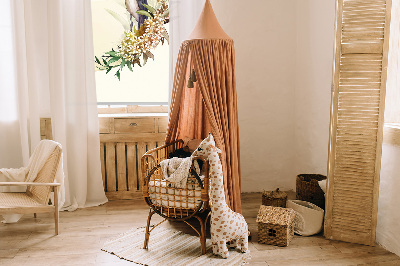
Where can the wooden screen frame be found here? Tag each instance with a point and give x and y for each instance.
(337, 233)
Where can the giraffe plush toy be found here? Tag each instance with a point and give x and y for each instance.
(226, 225)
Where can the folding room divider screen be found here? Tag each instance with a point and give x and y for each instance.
(358, 97)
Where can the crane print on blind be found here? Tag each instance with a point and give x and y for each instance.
(358, 97)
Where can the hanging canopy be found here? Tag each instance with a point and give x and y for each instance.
(204, 97)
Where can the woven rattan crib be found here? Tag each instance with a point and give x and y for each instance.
(170, 202)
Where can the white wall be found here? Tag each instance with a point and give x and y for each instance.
(388, 227)
(284, 52)
(314, 60)
(284, 56)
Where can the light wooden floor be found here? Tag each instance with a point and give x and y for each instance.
(83, 232)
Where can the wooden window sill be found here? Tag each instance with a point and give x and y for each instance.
(127, 115)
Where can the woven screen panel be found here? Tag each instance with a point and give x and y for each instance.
(357, 119)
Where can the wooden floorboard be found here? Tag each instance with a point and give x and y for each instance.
(82, 233)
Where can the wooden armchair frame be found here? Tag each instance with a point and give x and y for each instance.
(36, 197)
(39, 208)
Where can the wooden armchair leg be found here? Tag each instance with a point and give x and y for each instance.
(56, 218)
(147, 235)
(56, 211)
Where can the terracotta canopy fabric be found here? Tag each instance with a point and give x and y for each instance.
(210, 106)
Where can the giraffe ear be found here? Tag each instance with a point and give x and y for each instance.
(216, 149)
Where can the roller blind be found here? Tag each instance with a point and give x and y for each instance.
(144, 85)
(358, 97)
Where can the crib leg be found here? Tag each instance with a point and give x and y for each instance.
(202, 234)
(147, 235)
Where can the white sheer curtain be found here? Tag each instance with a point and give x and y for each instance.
(10, 144)
(53, 77)
(183, 18)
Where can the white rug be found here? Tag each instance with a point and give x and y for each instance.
(168, 247)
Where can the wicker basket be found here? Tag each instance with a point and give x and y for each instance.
(275, 225)
(308, 189)
(274, 198)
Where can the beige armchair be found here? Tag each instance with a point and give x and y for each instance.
(36, 197)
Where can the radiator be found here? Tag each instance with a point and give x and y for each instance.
(121, 167)
(123, 141)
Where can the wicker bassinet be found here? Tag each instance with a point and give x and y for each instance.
(175, 203)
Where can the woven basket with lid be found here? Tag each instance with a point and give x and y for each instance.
(274, 198)
(308, 189)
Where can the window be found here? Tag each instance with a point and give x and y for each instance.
(391, 130)
(8, 92)
(147, 85)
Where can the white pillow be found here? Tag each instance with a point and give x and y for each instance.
(322, 184)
